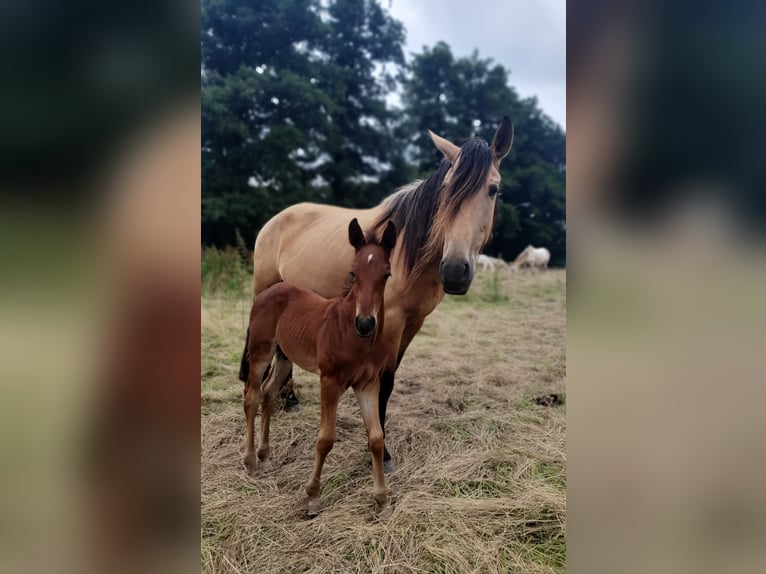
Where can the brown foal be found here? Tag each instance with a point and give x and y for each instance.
(335, 338)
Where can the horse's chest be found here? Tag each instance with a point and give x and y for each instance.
(424, 305)
(350, 368)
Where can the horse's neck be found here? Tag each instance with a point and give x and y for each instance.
(343, 307)
(419, 296)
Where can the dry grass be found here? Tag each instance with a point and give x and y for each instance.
(480, 484)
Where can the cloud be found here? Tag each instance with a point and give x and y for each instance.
(527, 37)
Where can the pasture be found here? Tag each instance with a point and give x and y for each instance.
(478, 442)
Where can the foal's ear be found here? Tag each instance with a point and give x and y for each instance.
(503, 140)
(389, 237)
(355, 234)
(449, 149)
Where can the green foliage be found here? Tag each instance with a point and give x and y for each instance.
(294, 109)
(224, 272)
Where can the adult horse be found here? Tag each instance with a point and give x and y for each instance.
(443, 222)
(535, 257)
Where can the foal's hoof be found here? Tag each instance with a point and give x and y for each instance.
(251, 464)
(312, 510)
(385, 513)
(388, 466)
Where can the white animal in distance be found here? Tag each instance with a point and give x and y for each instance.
(536, 257)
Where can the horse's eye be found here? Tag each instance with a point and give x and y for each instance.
(351, 277)
(387, 275)
(493, 189)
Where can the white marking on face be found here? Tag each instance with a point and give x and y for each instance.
(369, 259)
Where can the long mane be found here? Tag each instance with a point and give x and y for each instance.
(423, 210)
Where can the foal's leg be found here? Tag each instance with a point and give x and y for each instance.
(260, 357)
(368, 404)
(270, 389)
(331, 392)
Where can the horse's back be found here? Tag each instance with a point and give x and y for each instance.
(280, 297)
(543, 256)
(306, 244)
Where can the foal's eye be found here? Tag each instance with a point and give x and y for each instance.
(387, 275)
(493, 189)
(351, 277)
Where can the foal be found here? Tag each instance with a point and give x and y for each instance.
(335, 338)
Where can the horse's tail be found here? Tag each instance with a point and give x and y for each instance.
(244, 366)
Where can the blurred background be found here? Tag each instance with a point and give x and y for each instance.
(666, 313)
(99, 289)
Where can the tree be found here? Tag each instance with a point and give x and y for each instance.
(293, 107)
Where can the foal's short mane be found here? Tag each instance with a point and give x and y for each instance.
(423, 210)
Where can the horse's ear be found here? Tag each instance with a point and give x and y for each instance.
(503, 140)
(355, 234)
(389, 237)
(449, 149)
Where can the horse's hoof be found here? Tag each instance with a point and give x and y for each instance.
(385, 513)
(388, 466)
(312, 510)
(292, 406)
(251, 465)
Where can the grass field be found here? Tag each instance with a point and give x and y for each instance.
(480, 483)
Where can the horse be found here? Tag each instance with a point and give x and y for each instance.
(536, 257)
(339, 339)
(443, 221)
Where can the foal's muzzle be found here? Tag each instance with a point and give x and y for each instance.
(365, 326)
(456, 276)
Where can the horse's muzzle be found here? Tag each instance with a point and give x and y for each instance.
(456, 276)
(365, 326)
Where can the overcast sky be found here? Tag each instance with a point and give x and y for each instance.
(527, 37)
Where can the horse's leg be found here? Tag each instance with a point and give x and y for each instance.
(384, 392)
(260, 357)
(270, 389)
(331, 392)
(368, 404)
(387, 385)
(290, 402)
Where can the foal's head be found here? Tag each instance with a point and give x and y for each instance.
(368, 275)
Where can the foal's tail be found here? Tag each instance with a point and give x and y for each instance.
(244, 366)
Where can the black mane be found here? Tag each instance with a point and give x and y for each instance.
(413, 211)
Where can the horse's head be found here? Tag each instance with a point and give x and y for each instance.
(369, 273)
(469, 196)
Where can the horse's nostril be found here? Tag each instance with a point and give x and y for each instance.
(467, 269)
(365, 325)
